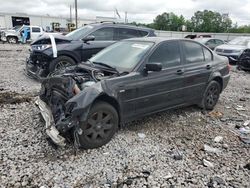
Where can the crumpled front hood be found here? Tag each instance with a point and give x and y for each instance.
(45, 39)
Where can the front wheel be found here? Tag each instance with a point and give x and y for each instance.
(100, 127)
(12, 40)
(211, 95)
(60, 63)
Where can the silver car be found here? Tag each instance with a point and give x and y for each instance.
(234, 48)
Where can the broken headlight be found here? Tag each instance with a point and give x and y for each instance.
(41, 46)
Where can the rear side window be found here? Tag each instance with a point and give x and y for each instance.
(193, 52)
(207, 54)
(143, 33)
(125, 33)
(36, 30)
(219, 42)
(168, 53)
(104, 34)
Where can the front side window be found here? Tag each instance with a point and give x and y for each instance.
(167, 53)
(104, 34)
(124, 55)
(193, 52)
(207, 54)
(35, 29)
(80, 33)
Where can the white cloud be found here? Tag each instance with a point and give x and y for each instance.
(138, 10)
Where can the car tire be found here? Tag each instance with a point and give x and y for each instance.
(12, 40)
(60, 63)
(101, 125)
(211, 95)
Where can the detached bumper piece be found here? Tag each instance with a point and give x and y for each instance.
(51, 130)
(34, 71)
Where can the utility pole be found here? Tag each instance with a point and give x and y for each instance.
(70, 16)
(76, 13)
(126, 21)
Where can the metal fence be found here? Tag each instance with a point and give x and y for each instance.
(222, 36)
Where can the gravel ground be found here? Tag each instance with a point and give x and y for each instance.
(169, 149)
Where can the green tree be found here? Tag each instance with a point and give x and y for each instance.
(168, 22)
(209, 21)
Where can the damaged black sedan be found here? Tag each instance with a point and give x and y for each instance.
(88, 102)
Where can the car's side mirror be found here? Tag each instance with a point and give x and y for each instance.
(156, 67)
(88, 38)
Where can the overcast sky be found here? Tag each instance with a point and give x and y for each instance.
(138, 10)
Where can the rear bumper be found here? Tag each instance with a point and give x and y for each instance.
(225, 81)
(51, 130)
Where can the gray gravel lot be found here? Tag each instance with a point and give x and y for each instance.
(163, 150)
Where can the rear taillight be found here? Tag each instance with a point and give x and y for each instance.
(229, 67)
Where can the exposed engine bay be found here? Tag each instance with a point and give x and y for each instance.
(57, 92)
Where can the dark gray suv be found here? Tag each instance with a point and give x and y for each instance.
(77, 46)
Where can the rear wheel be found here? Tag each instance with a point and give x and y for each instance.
(60, 63)
(100, 127)
(12, 40)
(211, 95)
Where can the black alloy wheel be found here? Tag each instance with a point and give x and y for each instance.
(211, 95)
(100, 127)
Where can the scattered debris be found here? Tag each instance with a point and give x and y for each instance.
(243, 99)
(141, 135)
(247, 166)
(215, 114)
(218, 139)
(14, 98)
(240, 108)
(246, 123)
(169, 176)
(245, 139)
(244, 130)
(207, 163)
(177, 155)
(219, 180)
(209, 149)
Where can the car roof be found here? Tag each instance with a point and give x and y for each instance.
(120, 25)
(156, 39)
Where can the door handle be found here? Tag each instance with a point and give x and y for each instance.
(180, 71)
(208, 66)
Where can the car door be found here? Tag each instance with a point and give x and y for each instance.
(198, 65)
(103, 38)
(164, 89)
(35, 33)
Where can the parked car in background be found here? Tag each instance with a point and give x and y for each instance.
(77, 46)
(14, 36)
(234, 48)
(197, 36)
(210, 42)
(128, 80)
(243, 62)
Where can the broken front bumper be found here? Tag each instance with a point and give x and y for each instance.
(51, 130)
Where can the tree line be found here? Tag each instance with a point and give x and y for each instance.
(201, 21)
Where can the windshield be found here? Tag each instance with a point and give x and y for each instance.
(124, 55)
(240, 41)
(79, 33)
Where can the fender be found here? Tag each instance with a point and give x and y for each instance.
(83, 101)
(214, 75)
